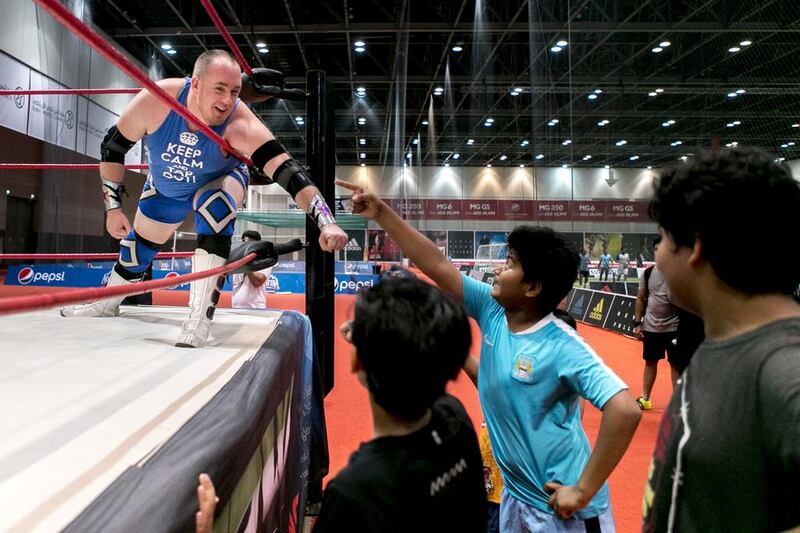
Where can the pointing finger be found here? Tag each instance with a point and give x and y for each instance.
(347, 185)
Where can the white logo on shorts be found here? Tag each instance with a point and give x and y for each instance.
(189, 138)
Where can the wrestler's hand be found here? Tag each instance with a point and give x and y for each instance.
(262, 84)
(207, 501)
(332, 238)
(266, 255)
(364, 203)
(117, 223)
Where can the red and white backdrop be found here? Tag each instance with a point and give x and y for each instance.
(521, 210)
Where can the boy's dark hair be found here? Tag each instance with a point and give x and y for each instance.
(656, 242)
(411, 339)
(730, 200)
(251, 234)
(547, 257)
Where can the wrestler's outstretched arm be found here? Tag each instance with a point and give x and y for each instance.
(253, 137)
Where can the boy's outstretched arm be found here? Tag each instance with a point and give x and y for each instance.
(416, 246)
(620, 418)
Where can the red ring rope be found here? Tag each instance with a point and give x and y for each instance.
(62, 166)
(90, 37)
(45, 301)
(73, 257)
(227, 36)
(10, 92)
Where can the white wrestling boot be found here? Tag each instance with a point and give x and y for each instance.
(203, 298)
(100, 308)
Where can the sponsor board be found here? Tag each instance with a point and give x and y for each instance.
(580, 301)
(597, 311)
(54, 276)
(620, 316)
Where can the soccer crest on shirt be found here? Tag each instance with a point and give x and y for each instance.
(523, 368)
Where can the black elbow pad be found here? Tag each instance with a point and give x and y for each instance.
(267, 152)
(114, 146)
(292, 176)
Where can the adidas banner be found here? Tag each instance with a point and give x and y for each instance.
(598, 308)
(354, 250)
(579, 303)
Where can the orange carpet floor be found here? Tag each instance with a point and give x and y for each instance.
(349, 421)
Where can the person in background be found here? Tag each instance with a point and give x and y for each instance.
(623, 259)
(583, 269)
(727, 456)
(656, 323)
(422, 468)
(605, 265)
(248, 287)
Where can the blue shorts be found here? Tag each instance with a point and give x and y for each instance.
(160, 208)
(519, 517)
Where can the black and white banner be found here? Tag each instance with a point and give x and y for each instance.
(14, 76)
(53, 118)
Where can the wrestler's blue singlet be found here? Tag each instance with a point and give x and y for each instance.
(182, 161)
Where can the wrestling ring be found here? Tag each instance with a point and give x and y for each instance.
(108, 424)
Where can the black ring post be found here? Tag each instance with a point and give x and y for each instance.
(320, 158)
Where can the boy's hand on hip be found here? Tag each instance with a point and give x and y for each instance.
(565, 499)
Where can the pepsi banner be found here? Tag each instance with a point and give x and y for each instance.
(296, 283)
(55, 276)
(67, 276)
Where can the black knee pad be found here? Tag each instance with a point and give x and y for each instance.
(215, 244)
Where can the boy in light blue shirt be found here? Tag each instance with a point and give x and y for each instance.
(532, 371)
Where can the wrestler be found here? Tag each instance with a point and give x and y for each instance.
(190, 172)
